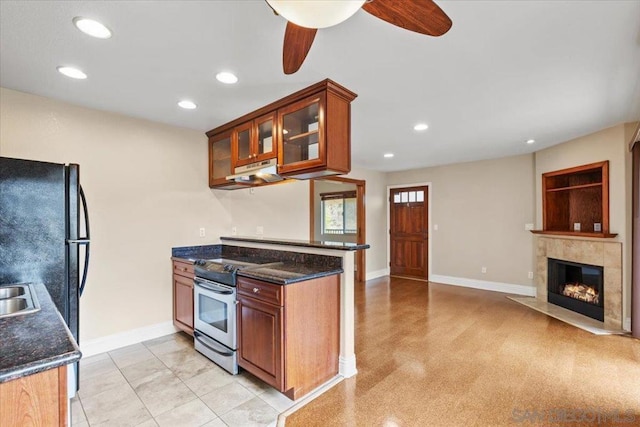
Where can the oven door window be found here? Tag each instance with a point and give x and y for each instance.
(213, 312)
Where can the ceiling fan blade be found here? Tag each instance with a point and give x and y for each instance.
(297, 42)
(421, 16)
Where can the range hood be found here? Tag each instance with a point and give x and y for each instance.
(256, 173)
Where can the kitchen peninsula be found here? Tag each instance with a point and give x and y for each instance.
(342, 250)
(302, 290)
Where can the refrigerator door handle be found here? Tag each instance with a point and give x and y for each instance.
(84, 241)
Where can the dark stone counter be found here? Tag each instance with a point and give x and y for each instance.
(285, 267)
(35, 342)
(287, 273)
(342, 246)
(193, 253)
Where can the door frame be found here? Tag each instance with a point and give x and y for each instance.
(360, 256)
(429, 186)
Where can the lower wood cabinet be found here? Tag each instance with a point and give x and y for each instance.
(183, 296)
(35, 400)
(288, 336)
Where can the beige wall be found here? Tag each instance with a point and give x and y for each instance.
(608, 144)
(376, 219)
(144, 195)
(481, 209)
(146, 187)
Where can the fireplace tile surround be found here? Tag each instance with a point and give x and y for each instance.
(600, 253)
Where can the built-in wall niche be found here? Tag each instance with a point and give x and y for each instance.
(575, 201)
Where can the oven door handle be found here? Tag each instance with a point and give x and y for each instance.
(201, 339)
(213, 288)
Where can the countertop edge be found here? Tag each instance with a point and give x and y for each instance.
(300, 243)
(40, 366)
(284, 282)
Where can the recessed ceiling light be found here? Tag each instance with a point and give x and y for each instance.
(530, 141)
(421, 126)
(226, 77)
(72, 72)
(388, 155)
(91, 27)
(187, 105)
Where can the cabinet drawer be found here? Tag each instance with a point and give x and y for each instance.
(183, 269)
(262, 291)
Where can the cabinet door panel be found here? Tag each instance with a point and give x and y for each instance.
(219, 159)
(301, 129)
(242, 141)
(260, 340)
(183, 302)
(265, 137)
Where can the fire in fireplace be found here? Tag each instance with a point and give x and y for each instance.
(581, 292)
(577, 287)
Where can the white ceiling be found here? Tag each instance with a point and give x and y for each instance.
(507, 71)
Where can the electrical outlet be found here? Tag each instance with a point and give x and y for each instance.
(202, 232)
(234, 231)
(435, 227)
(530, 275)
(484, 269)
(528, 226)
(259, 230)
(252, 191)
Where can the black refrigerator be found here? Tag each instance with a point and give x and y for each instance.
(40, 239)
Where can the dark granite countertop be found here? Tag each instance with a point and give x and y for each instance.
(192, 253)
(342, 246)
(285, 273)
(284, 267)
(35, 342)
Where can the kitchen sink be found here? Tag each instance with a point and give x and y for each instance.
(11, 291)
(18, 299)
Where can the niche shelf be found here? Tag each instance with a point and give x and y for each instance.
(576, 195)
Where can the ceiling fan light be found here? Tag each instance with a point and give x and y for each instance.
(316, 13)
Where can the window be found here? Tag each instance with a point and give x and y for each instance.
(339, 212)
(409, 197)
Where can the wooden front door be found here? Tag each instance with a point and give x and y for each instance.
(409, 232)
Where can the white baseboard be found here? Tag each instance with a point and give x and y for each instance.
(123, 339)
(507, 288)
(378, 273)
(347, 366)
(626, 324)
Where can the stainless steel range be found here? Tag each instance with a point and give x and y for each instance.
(215, 309)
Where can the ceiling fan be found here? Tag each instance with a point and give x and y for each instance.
(305, 17)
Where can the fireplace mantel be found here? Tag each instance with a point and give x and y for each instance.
(576, 234)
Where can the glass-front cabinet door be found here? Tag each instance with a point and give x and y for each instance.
(265, 141)
(242, 136)
(219, 158)
(301, 127)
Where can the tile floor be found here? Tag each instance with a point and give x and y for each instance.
(165, 382)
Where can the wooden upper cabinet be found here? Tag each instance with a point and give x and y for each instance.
(316, 134)
(256, 140)
(309, 132)
(575, 201)
(221, 152)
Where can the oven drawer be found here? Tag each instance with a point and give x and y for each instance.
(183, 269)
(262, 291)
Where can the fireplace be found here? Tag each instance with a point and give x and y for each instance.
(577, 287)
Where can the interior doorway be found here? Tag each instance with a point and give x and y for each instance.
(635, 247)
(409, 232)
(337, 213)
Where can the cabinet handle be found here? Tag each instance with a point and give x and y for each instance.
(256, 290)
(184, 268)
